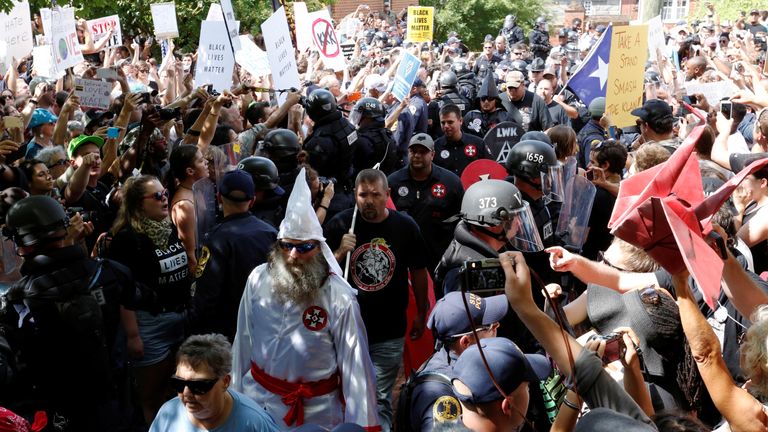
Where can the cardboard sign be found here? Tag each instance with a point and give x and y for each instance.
(714, 92)
(17, 32)
(252, 58)
(215, 61)
(656, 41)
(93, 93)
(421, 20)
(106, 73)
(626, 72)
(64, 43)
(326, 40)
(405, 75)
(164, 19)
(282, 61)
(303, 26)
(100, 27)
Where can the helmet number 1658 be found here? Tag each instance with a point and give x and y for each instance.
(535, 157)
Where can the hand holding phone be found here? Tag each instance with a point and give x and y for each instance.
(726, 107)
(113, 132)
(12, 122)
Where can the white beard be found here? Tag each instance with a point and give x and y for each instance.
(297, 283)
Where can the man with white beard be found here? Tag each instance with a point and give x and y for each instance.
(301, 349)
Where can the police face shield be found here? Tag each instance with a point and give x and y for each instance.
(354, 117)
(520, 229)
(552, 183)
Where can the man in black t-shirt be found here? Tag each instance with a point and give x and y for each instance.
(456, 149)
(525, 107)
(383, 246)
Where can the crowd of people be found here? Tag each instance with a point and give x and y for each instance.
(187, 260)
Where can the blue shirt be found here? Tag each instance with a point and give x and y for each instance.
(246, 416)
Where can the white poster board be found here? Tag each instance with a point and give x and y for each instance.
(64, 43)
(326, 40)
(17, 32)
(252, 58)
(656, 37)
(282, 61)
(43, 65)
(100, 26)
(164, 19)
(714, 91)
(232, 24)
(93, 93)
(215, 61)
(303, 28)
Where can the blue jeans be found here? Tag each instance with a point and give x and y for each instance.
(387, 357)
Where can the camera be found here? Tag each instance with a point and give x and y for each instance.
(146, 98)
(325, 181)
(484, 277)
(614, 346)
(167, 114)
(214, 93)
(139, 40)
(87, 216)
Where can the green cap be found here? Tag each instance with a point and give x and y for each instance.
(597, 107)
(82, 140)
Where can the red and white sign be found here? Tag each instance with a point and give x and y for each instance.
(326, 40)
(100, 27)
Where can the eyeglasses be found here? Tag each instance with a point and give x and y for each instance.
(197, 387)
(60, 162)
(517, 53)
(601, 258)
(650, 295)
(159, 196)
(301, 248)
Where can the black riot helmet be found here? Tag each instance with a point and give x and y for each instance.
(519, 65)
(36, 220)
(448, 79)
(510, 21)
(279, 144)
(562, 33)
(652, 77)
(460, 68)
(492, 203)
(367, 107)
(536, 136)
(262, 170)
(535, 163)
(320, 103)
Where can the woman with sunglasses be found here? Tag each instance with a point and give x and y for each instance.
(145, 240)
(205, 400)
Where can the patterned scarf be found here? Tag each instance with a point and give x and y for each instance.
(158, 231)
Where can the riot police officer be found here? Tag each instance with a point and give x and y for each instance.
(490, 113)
(511, 31)
(59, 321)
(467, 82)
(448, 94)
(375, 143)
(281, 146)
(331, 146)
(270, 199)
(539, 38)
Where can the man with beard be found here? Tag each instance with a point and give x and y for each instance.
(300, 349)
(384, 246)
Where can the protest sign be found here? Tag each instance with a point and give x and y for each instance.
(215, 61)
(17, 32)
(64, 43)
(656, 37)
(252, 58)
(106, 73)
(100, 27)
(3, 57)
(216, 13)
(43, 65)
(303, 26)
(350, 27)
(714, 92)
(282, 61)
(405, 75)
(164, 19)
(93, 93)
(420, 23)
(626, 71)
(326, 40)
(233, 25)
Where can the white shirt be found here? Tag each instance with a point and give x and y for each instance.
(304, 343)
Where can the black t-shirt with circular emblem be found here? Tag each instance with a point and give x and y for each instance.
(379, 266)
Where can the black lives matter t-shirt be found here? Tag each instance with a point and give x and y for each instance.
(379, 266)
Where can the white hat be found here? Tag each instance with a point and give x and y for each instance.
(301, 223)
(376, 81)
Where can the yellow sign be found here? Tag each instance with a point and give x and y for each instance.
(421, 21)
(626, 69)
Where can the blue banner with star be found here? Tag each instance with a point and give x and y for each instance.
(589, 80)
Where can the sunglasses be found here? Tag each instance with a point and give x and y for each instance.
(301, 248)
(197, 387)
(601, 258)
(59, 162)
(486, 99)
(159, 196)
(650, 295)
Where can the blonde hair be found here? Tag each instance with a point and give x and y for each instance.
(754, 353)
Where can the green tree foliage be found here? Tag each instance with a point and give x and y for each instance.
(727, 9)
(473, 19)
(136, 16)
